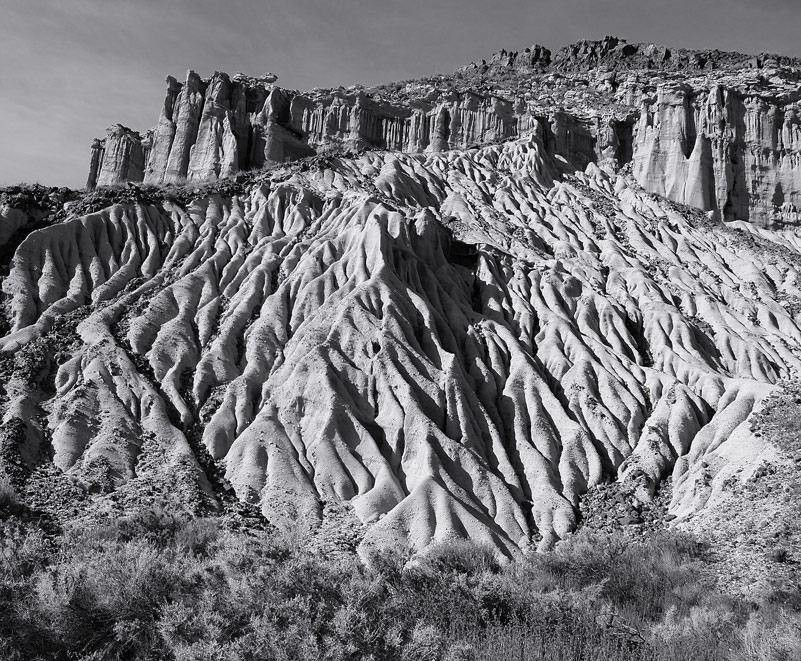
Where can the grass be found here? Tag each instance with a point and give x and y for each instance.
(158, 586)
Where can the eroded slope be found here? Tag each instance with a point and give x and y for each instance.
(456, 343)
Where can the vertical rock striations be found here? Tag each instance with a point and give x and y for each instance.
(717, 131)
(720, 149)
(275, 137)
(163, 135)
(123, 157)
(215, 147)
(189, 106)
(215, 128)
(95, 162)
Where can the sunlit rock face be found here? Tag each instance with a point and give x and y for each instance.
(454, 343)
(122, 160)
(211, 129)
(735, 152)
(714, 130)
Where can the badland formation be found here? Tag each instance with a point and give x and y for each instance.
(546, 291)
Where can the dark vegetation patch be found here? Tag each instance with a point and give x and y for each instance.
(35, 198)
(612, 507)
(160, 586)
(779, 420)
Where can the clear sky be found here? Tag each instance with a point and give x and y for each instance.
(70, 68)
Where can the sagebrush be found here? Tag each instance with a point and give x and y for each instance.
(157, 586)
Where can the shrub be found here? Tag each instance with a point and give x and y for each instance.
(158, 586)
(460, 652)
(107, 598)
(426, 644)
(772, 634)
(643, 578)
(463, 556)
(8, 496)
(388, 563)
(24, 551)
(706, 632)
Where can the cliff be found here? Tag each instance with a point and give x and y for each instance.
(213, 128)
(247, 125)
(715, 130)
(733, 147)
(718, 131)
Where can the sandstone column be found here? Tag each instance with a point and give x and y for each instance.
(95, 163)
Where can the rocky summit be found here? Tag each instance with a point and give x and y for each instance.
(546, 291)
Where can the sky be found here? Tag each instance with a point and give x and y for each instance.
(71, 68)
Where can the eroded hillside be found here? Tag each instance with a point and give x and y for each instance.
(420, 346)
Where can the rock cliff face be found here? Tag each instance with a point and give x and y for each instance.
(249, 125)
(718, 131)
(450, 343)
(733, 151)
(119, 158)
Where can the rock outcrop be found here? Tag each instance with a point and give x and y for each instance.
(718, 131)
(244, 126)
(528, 60)
(214, 128)
(621, 55)
(95, 163)
(736, 152)
(121, 157)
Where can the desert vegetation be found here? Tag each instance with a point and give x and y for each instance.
(162, 586)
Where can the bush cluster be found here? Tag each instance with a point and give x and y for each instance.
(157, 586)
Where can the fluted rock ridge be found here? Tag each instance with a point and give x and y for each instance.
(715, 130)
(213, 128)
(119, 158)
(455, 343)
(732, 150)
